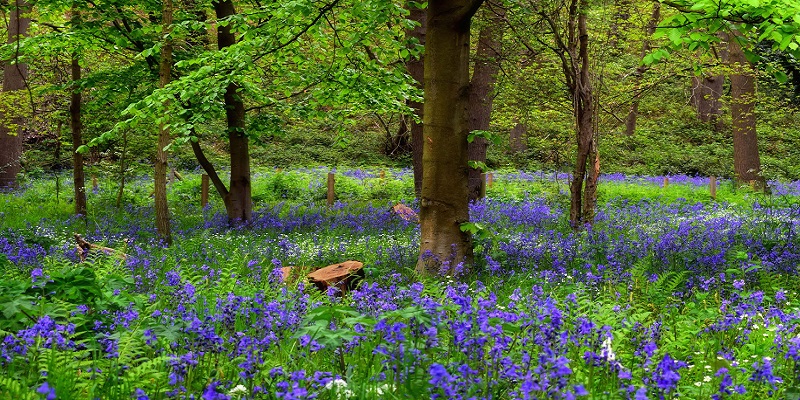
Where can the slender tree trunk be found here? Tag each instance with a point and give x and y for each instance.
(746, 160)
(14, 77)
(238, 201)
(617, 37)
(633, 112)
(165, 73)
(122, 168)
(444, 205)
(416, 68)
(484, 76)
(518, 137)
(76, 126)
(582, 204)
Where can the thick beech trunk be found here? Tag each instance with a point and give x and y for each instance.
(444, 205)
(746, 160)
(160, 178)
(238, 201)
(416, 68)
(14, 77)
(633, 112)
(487, 64)
(76, 126)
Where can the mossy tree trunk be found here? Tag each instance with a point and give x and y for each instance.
(444, 203)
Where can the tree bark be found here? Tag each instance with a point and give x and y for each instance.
(484, 76)
(444, 205)
(76, 126)
(633, 112)
(706, 92)
(746, 160)
(160, 178)
(238, 201)
(416, 68)
(518, 137)
(582, 204)
(14, 78)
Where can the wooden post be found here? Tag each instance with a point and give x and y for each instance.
(94, 183)
(666, 181)
(204, 190)
(489, 179)
(483, 185)
(712, 187)
(331, 192)
(383, 174)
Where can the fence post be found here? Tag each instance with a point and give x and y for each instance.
(713, 187)
(204, 190)
(666, 181)
(94, 183)
(489, 179)
(383, 174)
(331, 192)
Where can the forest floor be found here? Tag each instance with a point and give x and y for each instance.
(670, 294)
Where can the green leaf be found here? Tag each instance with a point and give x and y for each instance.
(781, 77)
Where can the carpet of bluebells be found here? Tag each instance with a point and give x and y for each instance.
(666, 296)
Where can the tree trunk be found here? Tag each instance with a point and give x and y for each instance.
(484, 76)
(444, 205)
(518, 137)
(706, 92)
(619, 25)
(76, 126)
(14, 77)
(582, 204)
(416, 68)
(633, 112)
(160, 179)
(238, 201)
(746, 160)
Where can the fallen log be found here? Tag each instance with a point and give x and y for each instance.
(84, 247)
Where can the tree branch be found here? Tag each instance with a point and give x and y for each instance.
(467, 12)
(209, 168)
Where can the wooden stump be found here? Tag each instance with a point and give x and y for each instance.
(331, 191)
(204, 183)
(713, 187)
(343, 276)
(405, 212)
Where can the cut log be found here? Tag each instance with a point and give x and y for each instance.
(84, 247)
(405, 212)
(343, 276)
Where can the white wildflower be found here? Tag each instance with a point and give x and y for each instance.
(338, 383)
(239, 389)
(607, 351)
